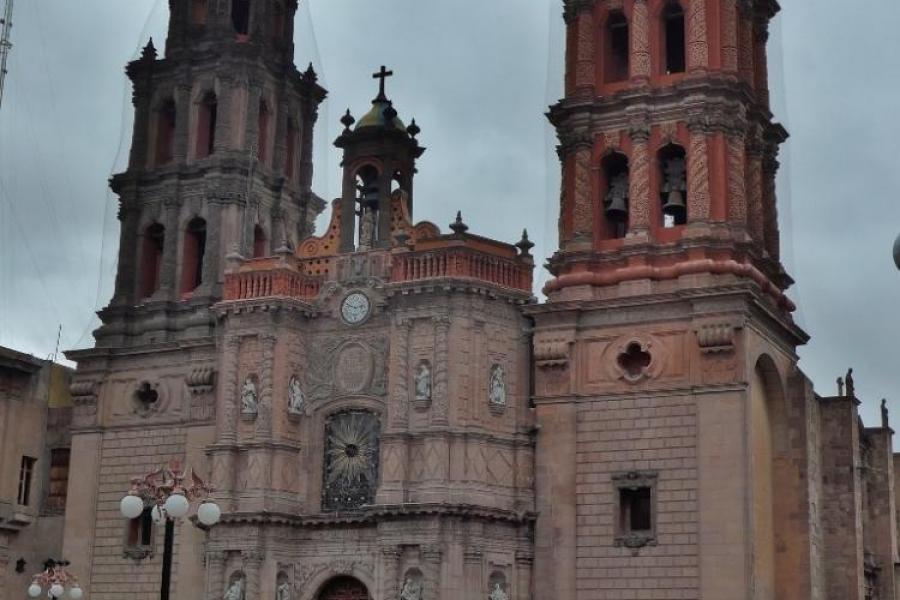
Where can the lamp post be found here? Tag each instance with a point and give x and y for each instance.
(56, 578)
(170, 491)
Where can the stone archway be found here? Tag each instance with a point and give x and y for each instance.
(344, 588)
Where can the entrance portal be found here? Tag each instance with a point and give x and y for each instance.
(344, 588)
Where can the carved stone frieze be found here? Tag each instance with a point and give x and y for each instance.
(552, 353)
(716, 338)
(346, 366)
(201, 380)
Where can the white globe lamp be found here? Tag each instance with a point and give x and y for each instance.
(34, 590)
(209, 513)
(131, 506)
(177, 506)
(897, 251)
(57, 590)
(76, 593)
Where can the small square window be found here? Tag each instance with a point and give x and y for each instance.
(635, 496)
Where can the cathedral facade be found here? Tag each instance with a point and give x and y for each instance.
(387, 412)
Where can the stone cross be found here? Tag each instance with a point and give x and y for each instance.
(382, 75)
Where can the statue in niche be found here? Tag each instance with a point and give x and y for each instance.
(367, 230)
(412, 588)
(423, 381)
(497, 593)
(236, 590)
(249, 398)
(497, 386)
(283, 592)
(296, 400)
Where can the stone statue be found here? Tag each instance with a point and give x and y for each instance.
(497, 593)
(885, 421)
(497, 388)
(236, 590)
(249, 402)
(412, 588)
(423, 382)
(367, 230)
(284, 591)
(295, 397)
(840, 384)
(848, 381)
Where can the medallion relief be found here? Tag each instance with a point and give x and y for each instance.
(347, 366)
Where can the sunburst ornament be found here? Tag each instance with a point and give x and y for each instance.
(351, 460)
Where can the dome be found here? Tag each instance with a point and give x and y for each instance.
(376, 118)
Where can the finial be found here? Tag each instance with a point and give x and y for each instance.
(149, 52)
(413, 130)
(840, 385)
(525, 245)
(347, 121)
(458, 227)
(310, 73)
(382, 75)
(390, 113)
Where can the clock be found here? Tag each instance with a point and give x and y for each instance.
(355, 308)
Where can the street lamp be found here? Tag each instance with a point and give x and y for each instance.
(170, 491)
(56, 578)
(897, 251)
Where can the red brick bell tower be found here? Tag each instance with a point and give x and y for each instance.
(666, 351)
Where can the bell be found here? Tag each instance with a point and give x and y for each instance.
(674, 205)
(617, 208)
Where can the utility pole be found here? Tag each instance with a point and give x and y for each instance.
(5, 44)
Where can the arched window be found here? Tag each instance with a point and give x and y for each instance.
(206, 125)
(194, 251)
(615, 199)
(262, 138)
(199, 10)
(367, 207)
(616, 48)
(259, 242)
(165, 132)
(673, 185)
(151, 259)
(290, 151)
(240, 16)
(673, 41)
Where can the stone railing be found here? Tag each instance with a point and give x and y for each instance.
(261, 279)
(462, 263)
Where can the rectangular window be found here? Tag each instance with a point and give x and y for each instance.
(26, 474)
(59, 478)
(635, 496)
(635, 510)
(139, 535)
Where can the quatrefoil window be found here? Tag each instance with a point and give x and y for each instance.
(634, 361)
(146, 395)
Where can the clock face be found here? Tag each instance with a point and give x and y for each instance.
(355, 308)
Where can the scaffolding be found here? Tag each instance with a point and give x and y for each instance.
(5, 43)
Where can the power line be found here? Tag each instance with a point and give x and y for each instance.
(5, 43)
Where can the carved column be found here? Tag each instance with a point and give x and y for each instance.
(755, 215)
(761, 62)
(400, 406)
(168, 277)
(225, 115)
(431, 561)
(228, 415)
(730, 36)
(390, 560)
(698, 40)
(770, 205)
(440, 405)
(182, 122)
(267, 385)
(582, 198)
(524, 565)
(252, 563)
(251, 119)
(215, 575)
(140, 142)
(126, 286)
(746, 69)
(585, 49)
(698, 173)
(473, 561)
(737, 179)
(212, 255)
(640, 43)
(639, 182)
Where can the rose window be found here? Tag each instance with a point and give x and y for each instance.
(351, 460)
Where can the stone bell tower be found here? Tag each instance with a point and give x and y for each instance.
(666, 351)
(221, 162)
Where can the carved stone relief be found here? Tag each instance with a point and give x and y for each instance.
(249, 397)
(346, 366)
(423, 384)
(295, 398)
(497, 387)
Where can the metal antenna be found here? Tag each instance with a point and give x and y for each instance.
(5, 44)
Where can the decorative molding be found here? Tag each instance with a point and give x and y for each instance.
(201, 380)
(552, 353)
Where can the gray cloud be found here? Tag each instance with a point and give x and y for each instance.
(477, 77)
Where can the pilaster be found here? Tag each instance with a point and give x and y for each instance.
(215, 574)
(641, 64)
(639, 182)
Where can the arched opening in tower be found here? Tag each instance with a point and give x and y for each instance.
(206, 125)
(151, 259)
(199, 10)
(616, 47)
(615, 200)
(673, 38)
(194, 253)
(240, 16)
(673, 185)
(259, 242)
(367, 202)
(165, 132)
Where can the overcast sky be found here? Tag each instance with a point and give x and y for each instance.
(477, 75)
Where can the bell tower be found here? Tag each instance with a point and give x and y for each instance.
(221, 162)
(666, 349)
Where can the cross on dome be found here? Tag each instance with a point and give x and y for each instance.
(382, 75)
